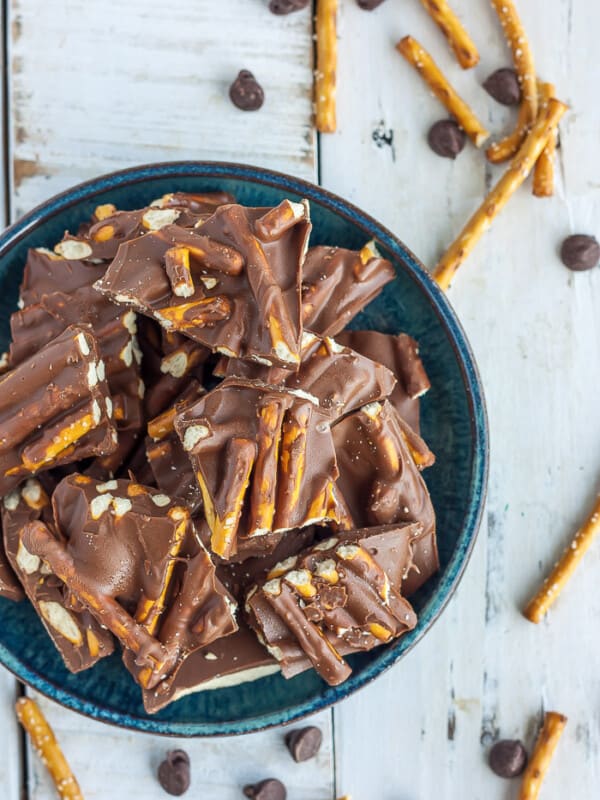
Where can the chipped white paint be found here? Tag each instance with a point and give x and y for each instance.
(534, 328)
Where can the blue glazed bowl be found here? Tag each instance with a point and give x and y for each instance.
(453, 421)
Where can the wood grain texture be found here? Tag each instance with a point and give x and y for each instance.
(101, 86)
(484, 671)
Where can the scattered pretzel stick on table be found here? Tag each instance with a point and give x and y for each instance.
(543, 173)
(325, 79)
(48, 749)
(519, 169)
(419, 58)
(525, 69)
(564, 569)
(459, 40)
(541, 757)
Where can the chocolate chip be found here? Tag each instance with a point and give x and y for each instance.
(245, 92)
(446, 138)
(503, 86)
(174, 772)
(270, 789)
(508, 758)
(304, 743)
(281, 7)
(580, 252)
(369, 5)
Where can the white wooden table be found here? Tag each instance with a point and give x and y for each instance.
(94, 86)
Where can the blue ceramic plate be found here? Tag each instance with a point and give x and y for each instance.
(453, 421)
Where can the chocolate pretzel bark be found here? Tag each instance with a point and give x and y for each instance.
(55, 408)
(232, 284)
(332, 600)
(337, 284)
(400, 354)
(340, 379)
(124, 544)
(10, 586)
(264, 460)
(380, 481)
(169, 462)
(78, 637)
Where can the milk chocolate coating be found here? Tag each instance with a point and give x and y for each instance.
(246, 92)
(381, 483)
(446, 139)
(400, 354)
(503, 85)
(331, 600)
(53, 408)
(339, 378)
(246, 298)
(78, 637)
(10, 586)
(293, 465)
(337, 285)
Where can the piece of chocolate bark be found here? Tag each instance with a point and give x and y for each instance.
(232, 284)
(381, 483)
(123, 557)
(340, 379)
(78, 637)
(10, 586)
(331, 600)
(400, 354)
(55, 408)
(264, 460)
(337, 284)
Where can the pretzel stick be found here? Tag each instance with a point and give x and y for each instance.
(525, 69)
(539, 762)
(543, 173)
(564, 569)
(325, 78)
(519, 169)
(45, 744)
(459, 40)
(420, 59)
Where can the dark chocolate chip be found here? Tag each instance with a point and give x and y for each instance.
(508, 758)
(281, 7)
(503, 86)
(369, 5)
(304, 743)
(174, 772)
(270, 789)
(446, 139)
(580, 252)
(245, 92)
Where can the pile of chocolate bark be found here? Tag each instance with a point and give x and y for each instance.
(198, 463)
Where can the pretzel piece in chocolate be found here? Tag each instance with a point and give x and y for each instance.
(332, 600)
(338, 283)
(55, 408)
(246, 298)
(400, 354)
(78, 637)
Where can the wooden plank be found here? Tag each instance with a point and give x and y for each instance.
(133, 83)
(425, 727)
(112, 764)
(136, 82)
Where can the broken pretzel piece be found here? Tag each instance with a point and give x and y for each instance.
(459, 40)
(419, 58)
(563, 570)
(325, 78)
(536, 769)
(519, 169)
(543, 172)
(45, 745)
(522, 55)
